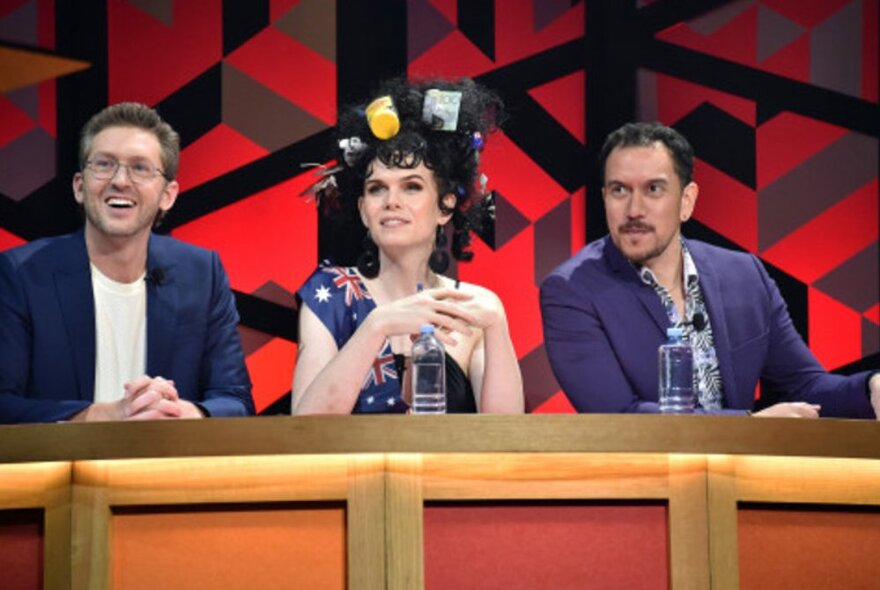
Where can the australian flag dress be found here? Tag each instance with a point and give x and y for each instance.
(338, 296)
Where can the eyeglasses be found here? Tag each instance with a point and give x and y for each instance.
(138, 171)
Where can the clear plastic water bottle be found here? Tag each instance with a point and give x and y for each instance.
(676, 374)
(428, 373)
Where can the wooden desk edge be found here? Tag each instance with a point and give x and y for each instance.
(279, 435)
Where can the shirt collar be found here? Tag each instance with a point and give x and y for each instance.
(689, 267)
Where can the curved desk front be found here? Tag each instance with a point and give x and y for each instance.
(403, 502)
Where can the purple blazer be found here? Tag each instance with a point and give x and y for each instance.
(603, 326)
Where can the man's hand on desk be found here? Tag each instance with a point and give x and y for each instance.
(874, 391)
(790, 410)
(146, 398)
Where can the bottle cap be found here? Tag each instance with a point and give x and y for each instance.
(382, 118)
(426, 329)
(674, 333)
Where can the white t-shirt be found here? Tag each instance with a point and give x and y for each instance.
(120, 333)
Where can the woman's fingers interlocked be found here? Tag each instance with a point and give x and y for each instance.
(443, 308)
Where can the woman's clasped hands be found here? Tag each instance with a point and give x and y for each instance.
(444, 308)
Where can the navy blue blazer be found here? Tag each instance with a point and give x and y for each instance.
(603, 326)
(47, 329)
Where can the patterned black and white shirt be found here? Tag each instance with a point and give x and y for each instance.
(707, 376)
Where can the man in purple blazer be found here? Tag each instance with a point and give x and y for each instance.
(113, 322)
(606, 310)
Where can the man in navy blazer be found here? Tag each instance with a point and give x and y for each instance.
(606, 310)
(114, 322)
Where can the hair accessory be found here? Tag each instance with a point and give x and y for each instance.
(325, 190)
(489, 207)
(382, 118)
(477, 140)
(440, 109)
(351, 149)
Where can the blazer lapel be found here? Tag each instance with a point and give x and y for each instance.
(651, 302)
(73, 286)
(644, 294)
(713, 295)
(161, 309)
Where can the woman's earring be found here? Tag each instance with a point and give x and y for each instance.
(368, 261)
(439, 259)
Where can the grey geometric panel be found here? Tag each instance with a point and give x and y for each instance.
(855, 282)
(715, 19)
(552, 240)
(252, 340)
(20, 25)
(836, 51)
(26, 99)
(539, 383)
(870, 338)
(425, 27)
(646, 96)
(27, 164)
(161, 10)
(816, 184)
(508, 221)
(546, 11)
(272, 291)
(261, 115)
(774, 32)
(312, 23)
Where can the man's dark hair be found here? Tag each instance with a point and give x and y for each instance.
(646, 135)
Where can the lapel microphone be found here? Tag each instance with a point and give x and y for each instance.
(155, 276)
(698, 322)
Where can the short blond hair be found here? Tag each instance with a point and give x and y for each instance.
(139, 115)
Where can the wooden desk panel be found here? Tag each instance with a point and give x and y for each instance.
(44, 487)
(21, 549)
(247, 545)
(788, 483)
(385, 470)
(565, 545)
(102, 487)
(808, 546)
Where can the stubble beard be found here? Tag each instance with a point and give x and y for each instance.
(642, 258)
(105, 226)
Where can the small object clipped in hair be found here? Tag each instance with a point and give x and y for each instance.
(489, 206)
(440, 109)
(477, 141)
(382, 118)
(326, 190)
(351, 148)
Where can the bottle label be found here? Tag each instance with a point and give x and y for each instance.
(676, 379)
(429, 388)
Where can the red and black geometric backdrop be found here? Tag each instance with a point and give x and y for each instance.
(779, 98)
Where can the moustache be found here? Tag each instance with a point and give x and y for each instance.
(635, 226)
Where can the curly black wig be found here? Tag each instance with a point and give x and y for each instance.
(453, 156)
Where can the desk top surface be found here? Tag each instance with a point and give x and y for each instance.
(284, 435)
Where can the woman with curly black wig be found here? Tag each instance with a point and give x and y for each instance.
(408, 165)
